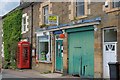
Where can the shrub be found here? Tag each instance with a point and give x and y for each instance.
(11, 36)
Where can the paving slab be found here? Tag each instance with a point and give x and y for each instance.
(28, 73)
(7, 73)
(52, 75)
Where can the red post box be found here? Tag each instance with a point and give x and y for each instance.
(23, 55)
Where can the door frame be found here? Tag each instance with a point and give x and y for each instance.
(55, 54)
(103, 45)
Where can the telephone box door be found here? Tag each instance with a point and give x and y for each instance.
(25, 57)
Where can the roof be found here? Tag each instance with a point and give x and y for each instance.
(24, 5)
(21, 6)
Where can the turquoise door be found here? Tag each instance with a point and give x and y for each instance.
(81, 53)
(59, 55)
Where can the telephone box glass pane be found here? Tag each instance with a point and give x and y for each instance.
(25, 55)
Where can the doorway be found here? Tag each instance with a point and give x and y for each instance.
(109, 49)
(81, 53)
(59, 55)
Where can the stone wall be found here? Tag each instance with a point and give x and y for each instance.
(110, 19)
(65, 14)
(27, 35)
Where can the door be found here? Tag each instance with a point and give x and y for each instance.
(109, 49)
(59, 55)
(109, 56)
(81, 53)
(25, 56)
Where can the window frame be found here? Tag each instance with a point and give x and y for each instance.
(86, 2)
(40, 51)
(114, 5)
(45, 15)
(38, 47)
(78, 6)
(24, 23)
(110, 7)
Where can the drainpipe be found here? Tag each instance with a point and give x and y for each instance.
(31, 34)
(117, 34)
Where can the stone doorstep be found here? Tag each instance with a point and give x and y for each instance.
(52, 75)
(57, 75)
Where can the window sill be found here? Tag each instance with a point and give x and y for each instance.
(112, 10)
(81, 17)
(45, 62)
(24, 32)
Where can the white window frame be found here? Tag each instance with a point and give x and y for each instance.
(45, 14)
(49, 46)
(24, 26)
(115, 3)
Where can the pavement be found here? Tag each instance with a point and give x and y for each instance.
(7, 73)
(0, 76)
(28, 73)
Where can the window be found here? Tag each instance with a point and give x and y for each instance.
(80, 9)
(110, 35)
(43, 48)
(115, 3)
(24, 23)
(45, 14)
(112, 6)
(43, 51)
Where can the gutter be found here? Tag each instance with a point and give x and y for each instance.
(31, 33)
(76, 26)
(70, 26)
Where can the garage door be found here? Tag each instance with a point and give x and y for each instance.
(81, 53)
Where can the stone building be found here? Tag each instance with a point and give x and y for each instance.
(90, 38)
(43, 60)
(83, 41)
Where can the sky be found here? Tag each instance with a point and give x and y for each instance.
(7, 5)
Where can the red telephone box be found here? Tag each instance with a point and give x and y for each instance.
(23, 55)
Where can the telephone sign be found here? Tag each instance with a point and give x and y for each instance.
(53, 18)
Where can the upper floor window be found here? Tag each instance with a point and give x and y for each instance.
(24, 23)
(115, 3)
(80, 8)
(45, 14)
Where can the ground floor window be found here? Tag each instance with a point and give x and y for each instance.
(110, 35)
(44, 48)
